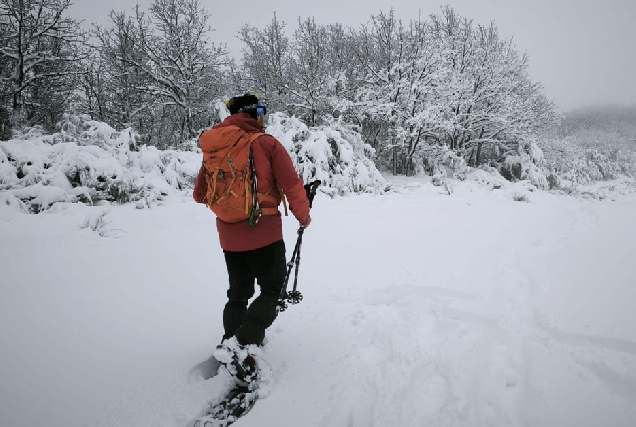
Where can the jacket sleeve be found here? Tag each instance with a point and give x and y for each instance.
(200, 188)
(293, 187)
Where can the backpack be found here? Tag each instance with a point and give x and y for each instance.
(229, 172)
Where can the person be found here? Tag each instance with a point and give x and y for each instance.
(256, 252)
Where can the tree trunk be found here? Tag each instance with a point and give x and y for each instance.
(478, 156)
(394, 166)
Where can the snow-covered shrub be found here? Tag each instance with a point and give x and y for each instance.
(100, 225)
(29, 132)
(520, 197)
(606, 167)
(626, 160)
(8, 172)
(442, 163)
(528, 163)
(9, 201)
(88, 161)
(486, 175)
(70, 126)
(570, 162)
(333, 153)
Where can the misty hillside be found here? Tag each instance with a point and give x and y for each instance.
(615, 120)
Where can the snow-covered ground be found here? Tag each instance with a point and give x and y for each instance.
(420, 309)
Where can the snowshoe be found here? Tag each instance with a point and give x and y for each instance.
(238, 402)
(237, 360)
(243, 394)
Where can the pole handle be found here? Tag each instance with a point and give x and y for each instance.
(310, 190)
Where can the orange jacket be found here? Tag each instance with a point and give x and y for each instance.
(273, 165)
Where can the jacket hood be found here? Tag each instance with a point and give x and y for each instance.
(242, 120)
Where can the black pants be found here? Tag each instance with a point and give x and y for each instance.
(268, 266)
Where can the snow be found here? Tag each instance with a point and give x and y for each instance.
(419, 308)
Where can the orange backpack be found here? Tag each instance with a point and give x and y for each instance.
(229, 172)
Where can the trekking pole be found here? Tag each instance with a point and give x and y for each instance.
(294, 297)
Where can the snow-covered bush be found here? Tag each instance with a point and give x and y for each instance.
(593, 144)
(333, 153)
(528, 163)
(486, 175)
(442, 163)
(569, 163)
(626, 161)
(88, 161)
(100, 225)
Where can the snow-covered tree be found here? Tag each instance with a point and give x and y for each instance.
(163, 70)
(492, 101)
(115, 90)
(265, 64)
(186, 68)
(307, 76)
(442, 82)
(402, 88)
(40, 52)
(309, 72)
(183, 65)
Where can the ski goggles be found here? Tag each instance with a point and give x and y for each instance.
(261, 110)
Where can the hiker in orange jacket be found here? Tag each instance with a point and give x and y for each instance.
(256, 252)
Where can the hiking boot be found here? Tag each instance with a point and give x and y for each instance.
(236, 360)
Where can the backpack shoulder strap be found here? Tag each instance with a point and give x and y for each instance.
(252, 136)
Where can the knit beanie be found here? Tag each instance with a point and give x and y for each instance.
(247, 103)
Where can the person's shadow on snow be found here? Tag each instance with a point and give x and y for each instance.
(206, 369)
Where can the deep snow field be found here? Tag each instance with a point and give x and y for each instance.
(420, 309)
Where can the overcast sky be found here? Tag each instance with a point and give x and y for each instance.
(582, 51)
